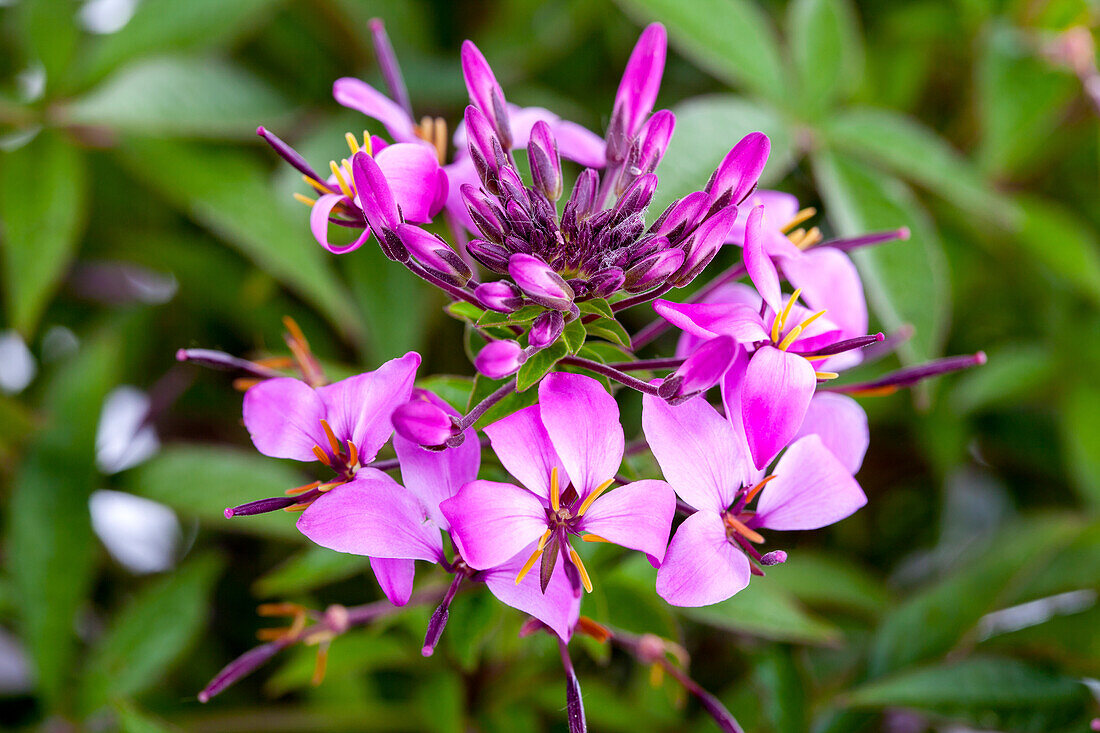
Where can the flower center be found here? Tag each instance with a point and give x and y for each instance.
(780, 323)
(345, 464)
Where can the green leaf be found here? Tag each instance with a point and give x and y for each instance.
(609, 329)
(911, 150)
(777, 673)
(377, 283)
(163, 26)
(526, 314)
(766, 611)
(201, 481)
(992, 693)
(51, 551)
(1021, 100)
(51, 34)
(1061, 241)
(950, 609)
(142, 644)
(464, 311)
(829, 581)
(1014, 373)
(311, 568)
(574, 335)
(180, 97)
(826, 50)
(226, 193)
(536, 367)
(905, 282)
(732, 39)
(1080, 417)
(598, 306)
(43, 201)
(706, 129)
(355, 652)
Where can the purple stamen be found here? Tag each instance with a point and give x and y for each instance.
(438, 620)
(225, 362)
(387, 64)
(866, 240)
(840, 347)
(290, 155)
(241, 666)
(911, 375)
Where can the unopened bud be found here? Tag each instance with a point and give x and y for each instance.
(708, 239)
(737, 174)
(546, 329)
(700, 371)
(542, 153)
(539, 281)
(681, 218)
(483, 214)
(653, 270)
(485, 92)
(493, 256)
(500, 359)
(775, 557)
(423, 423)
(499, 296)
(435, 254)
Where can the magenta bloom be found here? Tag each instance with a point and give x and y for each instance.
(343, 425)
(702, 458)
(395, 526)
(564, 451)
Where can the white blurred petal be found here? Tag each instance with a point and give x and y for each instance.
(17, 367)
(1035, 612)
(143, 535)
(121, 440)
(15, 670)
(107, 16)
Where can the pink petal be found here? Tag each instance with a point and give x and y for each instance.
(360, 96)
(775, 393)
(842, 426)
(811, 489)
(707, 320)
(731, 400)
(435, 476)
(373, 192)
(637, 515)
(283, 416)
(779, 209)
(412, 172)
(741, 168)
(830, 281)
(701, 567)
(494, 521)
(642, 78)
(699, 451)
(459, 172)
(524, 449)
(318, 224)
(759, 265)
(579, 144)
(359, 407)
(582, 420)
(558, 607)
(372, 516)
(395, 576)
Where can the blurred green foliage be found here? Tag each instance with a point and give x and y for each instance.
(133, 145)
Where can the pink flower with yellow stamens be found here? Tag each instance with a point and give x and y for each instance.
(565, 451)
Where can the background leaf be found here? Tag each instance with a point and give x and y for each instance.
(826, 49)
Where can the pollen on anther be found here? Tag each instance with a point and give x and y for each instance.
(593, 538)
(353, 144)
(340, 180)
(580, 569)
(750, 534)
(756, 489)
(800, 217)
(555, 489)
(826, 375)
(528, 565)
(304, 199)
(593, 496)
(332, 441)
(322, 456)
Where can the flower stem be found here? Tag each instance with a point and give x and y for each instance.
(643, 364)
(482, 407)
(611, 373)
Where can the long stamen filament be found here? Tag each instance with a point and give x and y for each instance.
(555, 489)
(332, 441)
(304, 199)
(317, 186)
(545, 538)
(781, 319)
(528, 565)
(756, 489)
(580, 569)
(814, 317)
(344, 188)
(593, 538)
(593, 496)
(795, 333)
(750, 534)
(322, 456)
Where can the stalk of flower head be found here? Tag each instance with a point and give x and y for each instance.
(775, 447)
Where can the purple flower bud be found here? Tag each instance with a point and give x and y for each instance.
(539, 282)
(435, 254)
(485, 92)
(636, 198)
(493, 256)
(483, 213)
(737, 174)
(700, 371)
(485, 147)
(646, 152)
(239, 667)
(680, 219)
(423, 422)
(289, 154)
(500, 359)
(653, 270)
(542, 153)
(392, 246)
(546, 329)
(776, 557)
(499, 296)
(375, 196)
(637, 91)
(511, 185)
(583, 197)
(705, 244)
(605, 282)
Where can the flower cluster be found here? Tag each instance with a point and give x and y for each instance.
(776, 448)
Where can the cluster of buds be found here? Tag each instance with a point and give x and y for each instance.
(777, 448)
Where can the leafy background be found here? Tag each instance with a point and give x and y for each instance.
(140, 214)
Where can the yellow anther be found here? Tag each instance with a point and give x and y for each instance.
(340, 180)
(781, 318)
(544, 539)
(297, 507)
(795, 333)
(332, 441)
(811, 238)
(826, 375)
(593, 496)
(318, 187)
(750, 534)
(818, 357)
(797, 236)
(353, 455)
(555, 489)
(368, 147)
(580, 569)
(322, 456)
(353, 144)
(800, 217)
(528, 565)
(756, 489)
(593, 538)
(304, 199)
(302, 489)
(811, 319)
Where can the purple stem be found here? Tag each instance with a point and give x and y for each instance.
(438, 620)
(642, 364)
(911, 375)
(574, 706)
(226, 362)
(482, 407)
(650, 333)
(610, 373)
(866, 240)
(387, 64)
(453, 290)
(640, 298)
